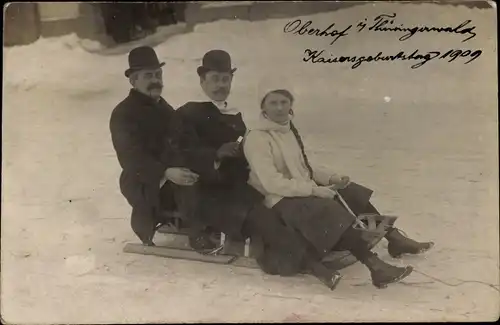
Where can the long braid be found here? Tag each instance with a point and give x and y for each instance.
(301, 145)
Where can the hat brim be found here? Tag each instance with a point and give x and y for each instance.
(130, 70)
(202, 70)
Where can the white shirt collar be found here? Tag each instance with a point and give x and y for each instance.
(224, 108)
(220, 105)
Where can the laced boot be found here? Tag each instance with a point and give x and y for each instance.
(400, 244)
(384, 274)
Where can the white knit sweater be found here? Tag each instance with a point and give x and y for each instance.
(277, 167)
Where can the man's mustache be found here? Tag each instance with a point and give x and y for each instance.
(155, 86)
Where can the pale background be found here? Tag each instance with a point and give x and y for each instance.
(431, 154)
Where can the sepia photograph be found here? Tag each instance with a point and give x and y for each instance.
(250, 162)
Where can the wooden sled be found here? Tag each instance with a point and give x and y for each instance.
(242, 253)
(175, 245)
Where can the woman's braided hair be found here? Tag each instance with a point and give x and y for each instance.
(294, 130)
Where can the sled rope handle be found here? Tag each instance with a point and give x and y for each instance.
(357, 221)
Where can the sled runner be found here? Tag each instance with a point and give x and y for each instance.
(242, 253)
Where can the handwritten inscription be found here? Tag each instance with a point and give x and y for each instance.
(318, 56)
(383, 23)
(296, 27)
(386, 23)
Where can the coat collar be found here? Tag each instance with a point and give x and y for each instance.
(215, 110)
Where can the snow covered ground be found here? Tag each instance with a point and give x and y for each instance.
(430, 153)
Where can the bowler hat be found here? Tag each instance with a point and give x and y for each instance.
(216, 60)
(142, 57)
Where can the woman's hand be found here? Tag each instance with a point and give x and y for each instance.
(323, 192)
(339, 182)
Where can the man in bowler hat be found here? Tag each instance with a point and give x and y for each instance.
(207, 137)
(140, 128)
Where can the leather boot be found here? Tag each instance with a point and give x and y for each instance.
(400, 244)
(330, 278)
(383, 273)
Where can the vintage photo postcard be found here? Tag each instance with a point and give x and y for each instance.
(249, 162)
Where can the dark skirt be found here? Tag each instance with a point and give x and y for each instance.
(320, 221)
(307, 225)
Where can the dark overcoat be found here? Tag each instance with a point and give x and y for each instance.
(224, 195)
(140, 129)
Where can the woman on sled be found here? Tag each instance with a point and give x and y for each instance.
(308, 223)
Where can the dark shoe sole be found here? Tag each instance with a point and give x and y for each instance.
(382, 285)
(421, 251)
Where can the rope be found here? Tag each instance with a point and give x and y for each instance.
(451, 284)
(495, 287)
(346, 206)
(457, 284)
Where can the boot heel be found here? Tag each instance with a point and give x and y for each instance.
(395, 255)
